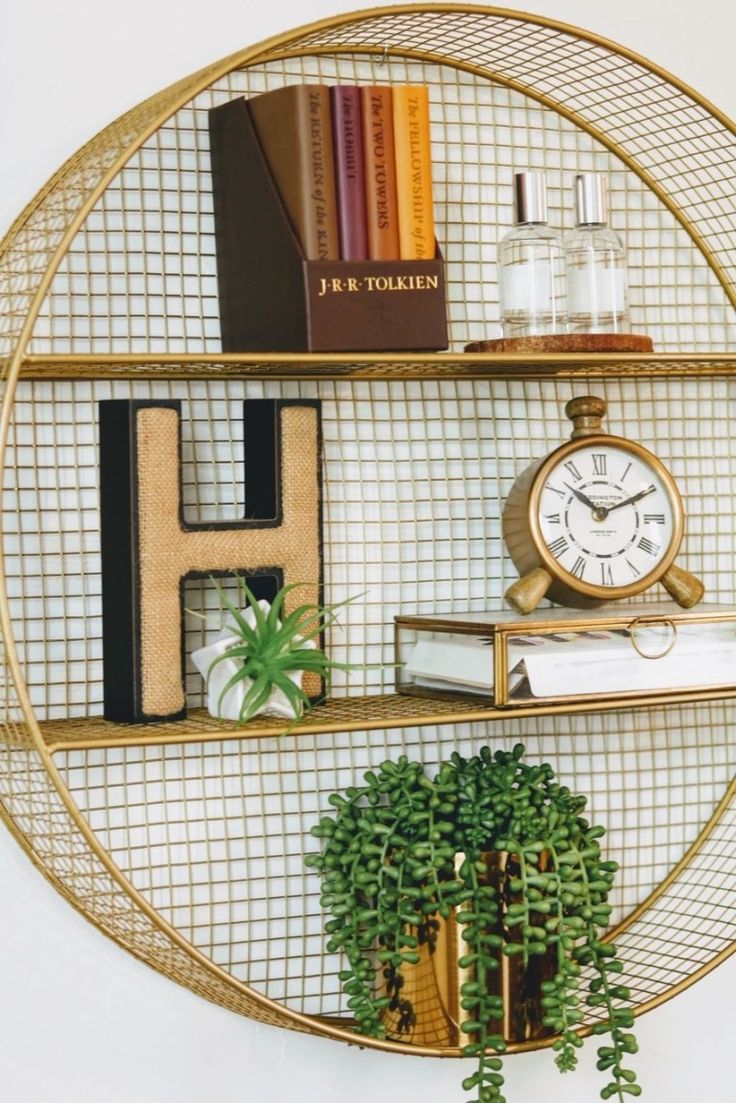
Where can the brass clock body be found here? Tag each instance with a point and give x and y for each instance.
(598, 519)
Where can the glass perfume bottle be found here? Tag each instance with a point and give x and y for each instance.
(595, 263)
(531, 265)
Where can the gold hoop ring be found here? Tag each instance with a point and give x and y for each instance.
(639, 623)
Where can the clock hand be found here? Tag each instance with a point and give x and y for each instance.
(582, 497)
(601, 512)
(632, 499)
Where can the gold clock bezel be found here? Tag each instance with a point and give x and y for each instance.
(548, 561)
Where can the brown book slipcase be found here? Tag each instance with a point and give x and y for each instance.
(272, 298)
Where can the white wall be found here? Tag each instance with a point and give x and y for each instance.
(80, 1020)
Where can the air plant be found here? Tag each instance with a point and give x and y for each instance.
(268, 650)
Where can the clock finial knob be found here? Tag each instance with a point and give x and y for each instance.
(585, 413)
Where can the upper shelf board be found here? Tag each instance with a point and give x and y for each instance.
(383, 366)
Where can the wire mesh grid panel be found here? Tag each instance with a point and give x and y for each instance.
(683, 146)
(415, 477)
(192, 856)
(214, 837)
(416, 474)
(140, 276)
(63, 851)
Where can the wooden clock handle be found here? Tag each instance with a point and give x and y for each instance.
(685, 588)
(525, 595)
(586, 412)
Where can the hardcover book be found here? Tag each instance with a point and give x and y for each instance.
(412, 151)
(347, 135)
(294, 127)
(382, 217)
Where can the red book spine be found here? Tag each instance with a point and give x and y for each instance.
(347, 142)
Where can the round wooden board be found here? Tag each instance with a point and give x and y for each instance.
(566, 342)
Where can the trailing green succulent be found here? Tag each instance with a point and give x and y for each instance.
(269, 647)
(404, 852)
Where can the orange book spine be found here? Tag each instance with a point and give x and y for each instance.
(413, 157)
(382, 222)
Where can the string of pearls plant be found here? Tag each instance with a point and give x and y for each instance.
(391, 874)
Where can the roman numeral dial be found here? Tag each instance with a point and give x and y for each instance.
(606, 517)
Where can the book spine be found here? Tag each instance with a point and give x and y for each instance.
(380, 175)
(412, 154)
(294, 126)
(319, 178)
(347, 141)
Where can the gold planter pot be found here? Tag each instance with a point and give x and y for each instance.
(433, 985)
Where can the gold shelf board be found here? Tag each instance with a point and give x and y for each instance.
(381, 366)
(342, 714)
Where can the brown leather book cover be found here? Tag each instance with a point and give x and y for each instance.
(294, 127)
(413, 158)
(380, 173)
(347, 140)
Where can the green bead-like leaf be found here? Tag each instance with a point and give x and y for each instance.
(555, 874)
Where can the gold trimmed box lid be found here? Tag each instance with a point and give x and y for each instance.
(507, 621)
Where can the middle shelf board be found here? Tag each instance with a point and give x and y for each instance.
(379, 366)
(343, 714)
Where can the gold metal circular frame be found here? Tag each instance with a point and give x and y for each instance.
(621, 101)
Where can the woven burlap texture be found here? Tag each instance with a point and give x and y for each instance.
(168, 552)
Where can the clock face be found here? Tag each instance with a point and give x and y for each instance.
(608, 515)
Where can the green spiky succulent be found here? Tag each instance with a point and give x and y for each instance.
(276, 645)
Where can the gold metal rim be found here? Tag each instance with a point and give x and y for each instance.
(379, 366)
(548, 561)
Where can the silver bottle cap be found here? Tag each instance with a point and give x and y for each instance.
(530, 194)
(590, 199)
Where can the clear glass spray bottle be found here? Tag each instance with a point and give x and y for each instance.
(595, 264)
(531, 265)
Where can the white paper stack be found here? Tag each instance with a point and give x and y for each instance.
(574, 663)
(452, 662)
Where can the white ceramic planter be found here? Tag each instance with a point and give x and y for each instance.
(229, 708)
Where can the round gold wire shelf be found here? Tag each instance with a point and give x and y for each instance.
(188, 851)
